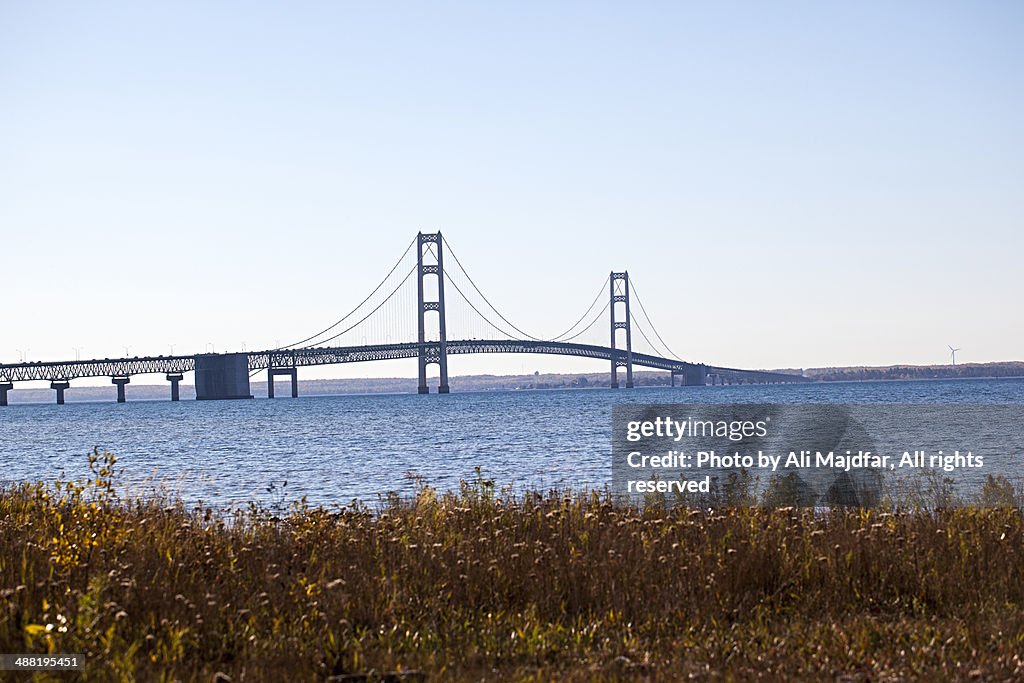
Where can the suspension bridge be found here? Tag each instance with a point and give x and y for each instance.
(382, 327)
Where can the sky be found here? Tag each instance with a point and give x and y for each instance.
(791, 184)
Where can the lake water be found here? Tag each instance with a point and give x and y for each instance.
(336, 448)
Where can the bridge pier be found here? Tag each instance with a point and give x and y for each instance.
(691, 376)
(695, 376)
(222, 376)
(120, 382)
(291, 372)
(59, 387)
(174, 380)
(4, 388)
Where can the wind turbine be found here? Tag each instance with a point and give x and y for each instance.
(952, 353)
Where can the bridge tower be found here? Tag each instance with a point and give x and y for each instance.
(618, 290)
(432, 245)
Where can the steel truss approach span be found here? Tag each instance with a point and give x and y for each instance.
(384, 323)
(107, 367)
(332, 355)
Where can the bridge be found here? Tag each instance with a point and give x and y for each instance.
(384, 313)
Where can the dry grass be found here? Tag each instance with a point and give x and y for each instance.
(483, 585)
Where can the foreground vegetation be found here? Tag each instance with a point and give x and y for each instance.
(480, 584)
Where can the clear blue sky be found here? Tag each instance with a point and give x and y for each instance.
(790, 184)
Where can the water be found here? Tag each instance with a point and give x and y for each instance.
(333, 449)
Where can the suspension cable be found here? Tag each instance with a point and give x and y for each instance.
(592, 323)
(640, 329)
(649, 322)
(350, 313)
(486, 300)
(377, 308)
(475, 309)
(506, 320)
(499, 329)
(586, 312)
(430, 250)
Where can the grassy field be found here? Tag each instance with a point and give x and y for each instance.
(483, 585)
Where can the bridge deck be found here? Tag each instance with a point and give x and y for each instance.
(260, 360)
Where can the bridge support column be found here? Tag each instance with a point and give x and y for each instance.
(120, 382)
(59, 387)
(695, 376)
(619, 293)
(174, 380)
(4, 388)
(293, 373)
(222, 376)
(428, 351)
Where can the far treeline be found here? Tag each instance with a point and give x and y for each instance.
(965, 371)
(837, 374)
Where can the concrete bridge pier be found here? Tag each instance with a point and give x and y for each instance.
(222, 376)
(120, 382)
(59, 387)
(695, 376)
(293, 373)
(4, 388)
(174, 380)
